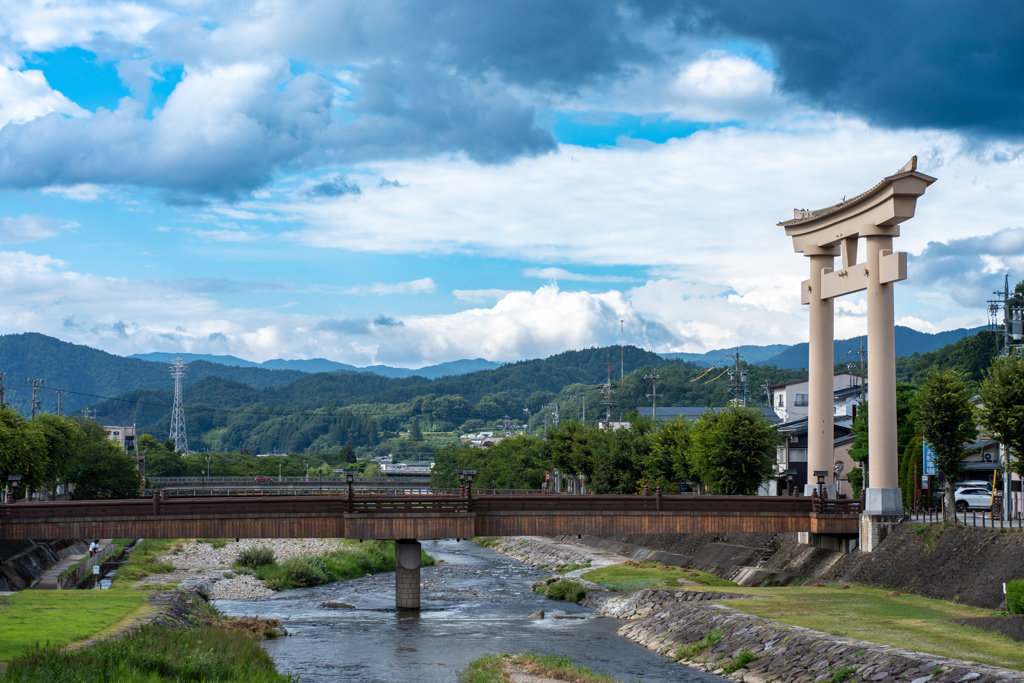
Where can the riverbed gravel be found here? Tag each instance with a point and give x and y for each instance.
(201, 566)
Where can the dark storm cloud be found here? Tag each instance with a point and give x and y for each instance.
(335, 187)
(965, 265)
(945, 64)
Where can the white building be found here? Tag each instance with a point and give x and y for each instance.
(789, 400)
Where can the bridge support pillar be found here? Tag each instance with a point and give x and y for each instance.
(407, 574)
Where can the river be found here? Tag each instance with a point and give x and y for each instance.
(474, 601)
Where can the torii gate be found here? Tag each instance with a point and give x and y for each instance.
(822, 235)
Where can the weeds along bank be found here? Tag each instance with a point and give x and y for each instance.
(708, 636)
(787, 635)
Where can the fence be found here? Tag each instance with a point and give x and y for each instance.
(72, 580)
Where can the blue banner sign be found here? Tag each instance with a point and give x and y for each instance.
(929, 460)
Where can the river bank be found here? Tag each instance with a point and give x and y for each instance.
(693, 627)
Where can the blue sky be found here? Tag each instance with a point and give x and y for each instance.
(384, 182)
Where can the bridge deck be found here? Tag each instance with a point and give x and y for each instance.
(423, 516)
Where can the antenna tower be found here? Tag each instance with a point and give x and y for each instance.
(60, 401)
(177, 436)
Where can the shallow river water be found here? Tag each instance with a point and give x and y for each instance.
(475, 601)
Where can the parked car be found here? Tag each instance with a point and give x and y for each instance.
(973, 484)
(263, 479)
(972, 499)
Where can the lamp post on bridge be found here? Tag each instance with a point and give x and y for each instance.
(789, 480)
(466, 475)
(350, 476)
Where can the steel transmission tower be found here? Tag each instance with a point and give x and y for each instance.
(177, 436)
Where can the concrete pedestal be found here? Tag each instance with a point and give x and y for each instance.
(883, 501)
(874, 529)
(407, 574)
(829, 489)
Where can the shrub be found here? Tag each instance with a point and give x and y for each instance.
(714, 637)
(742, 659)
(256, 556)
(568, 590)
(306, 570)
(1015, 596)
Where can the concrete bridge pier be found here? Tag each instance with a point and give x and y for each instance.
(407, 574)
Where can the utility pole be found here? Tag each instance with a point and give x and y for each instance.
(622, 351)
(653, 395)
(608, 403)
(60, 401)
(738, 379)
(89, 414)
(2, 375)
(36, 384)
(1012, 318)
(507, 425)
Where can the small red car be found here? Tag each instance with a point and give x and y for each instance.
(263, 479)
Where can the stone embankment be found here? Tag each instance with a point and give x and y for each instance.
(672, 622)
(200, 566)
(21, 562)
(689, 626)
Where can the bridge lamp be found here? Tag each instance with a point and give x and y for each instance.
(350, 476)
(788, 474)
(821, 475)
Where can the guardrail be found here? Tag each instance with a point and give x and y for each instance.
(198, 482)
(73, 579)
(314, 490)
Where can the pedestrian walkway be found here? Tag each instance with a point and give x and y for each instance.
(49, 580)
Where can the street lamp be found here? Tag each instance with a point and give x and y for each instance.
(207, 472)
(14, 479)
(350, 476)
(466, 474)
(789, 480)
(821, 475)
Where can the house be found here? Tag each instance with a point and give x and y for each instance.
(792, 455)
(124, 436)
(790, 399)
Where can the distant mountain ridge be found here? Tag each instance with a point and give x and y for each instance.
(314, 365)
(908, 342)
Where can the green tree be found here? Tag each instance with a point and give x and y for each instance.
(62, 439)
(671, 452)
(22, 450)
(734, 450)
(945, 415)
(104, 469)
(1001, 411)
(909, 476)
(415, 433)
(573, 448)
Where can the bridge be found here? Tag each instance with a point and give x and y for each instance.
(430, 516)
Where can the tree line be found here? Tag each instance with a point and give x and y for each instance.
(730, 451)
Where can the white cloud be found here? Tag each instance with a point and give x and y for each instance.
(83, 192)
(25, 95)
(43, 25)
(563, 274)
(30, 228)
(479, 296)
(423, 285)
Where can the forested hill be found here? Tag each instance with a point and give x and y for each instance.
(84, 370)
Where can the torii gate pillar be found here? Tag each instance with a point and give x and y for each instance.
(822, 235)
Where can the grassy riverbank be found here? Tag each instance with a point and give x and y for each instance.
(496, 668)
(150, 655)
(878, 616)
(632, 575)
(60, 618)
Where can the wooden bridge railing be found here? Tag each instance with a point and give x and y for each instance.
(433, 503)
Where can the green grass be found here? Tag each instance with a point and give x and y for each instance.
(348, 562)
(491, 669)
(565, 589)
(565, 569)
(742, 659)
(707, 642)
(632, 575)
(487, 541)
(60, 618)
(142, 562)
(907, 621)
(217, 543)
(154, 654)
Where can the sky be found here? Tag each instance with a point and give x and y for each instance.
(413, 182)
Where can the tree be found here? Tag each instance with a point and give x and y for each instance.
(62, 439)
(1002, 405)
(733, 450)
(415, 433)
(909, 476)
(22, 450)
(671, 452)
(104, 471)
(945, 415)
